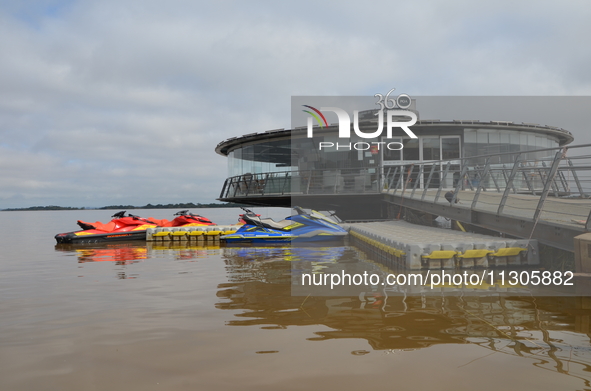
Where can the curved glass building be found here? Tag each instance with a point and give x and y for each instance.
(271, 167)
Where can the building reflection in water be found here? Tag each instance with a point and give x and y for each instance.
(552, 332)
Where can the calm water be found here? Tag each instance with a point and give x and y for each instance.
(188, 317)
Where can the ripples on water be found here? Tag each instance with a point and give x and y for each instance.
(185, 316)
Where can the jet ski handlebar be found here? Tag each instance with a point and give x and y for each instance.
(299, 210)
(119, 215)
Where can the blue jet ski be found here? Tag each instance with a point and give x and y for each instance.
(301, 227)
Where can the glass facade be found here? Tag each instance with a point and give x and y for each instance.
(431, 148)
(264, 156)
(497, 141)
(434, 143)
(289, 163)
(424, 148)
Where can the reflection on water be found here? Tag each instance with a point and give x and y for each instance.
(121, 253)
(548, 333)
(125, 253)
(551, 333)
(128, 253)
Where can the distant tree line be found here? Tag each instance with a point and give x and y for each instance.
(50, 207)
(189, 205)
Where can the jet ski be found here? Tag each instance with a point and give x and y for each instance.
(301, 227)
(121, 227)
(186, 219)
(128, 227)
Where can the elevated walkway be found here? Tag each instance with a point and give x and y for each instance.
(560, 221)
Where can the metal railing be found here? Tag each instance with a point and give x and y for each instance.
(550, 181)
(351, 181)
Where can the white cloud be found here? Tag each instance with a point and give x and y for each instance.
(124, 101)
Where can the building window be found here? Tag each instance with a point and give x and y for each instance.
(390, 154)
(411, 149)
(431, 148)
(450, 147)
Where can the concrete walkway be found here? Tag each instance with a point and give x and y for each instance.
(560, 221)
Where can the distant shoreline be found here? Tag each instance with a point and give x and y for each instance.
(125, 207)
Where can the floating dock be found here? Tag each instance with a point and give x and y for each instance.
(200, 233)
(398, 243)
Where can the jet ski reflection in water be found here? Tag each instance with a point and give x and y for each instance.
(302, 227)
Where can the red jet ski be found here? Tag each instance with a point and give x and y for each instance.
(186, 219)
(128, 227)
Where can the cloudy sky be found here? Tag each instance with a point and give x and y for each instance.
(123, 102)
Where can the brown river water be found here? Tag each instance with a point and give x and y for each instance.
(137, 316)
